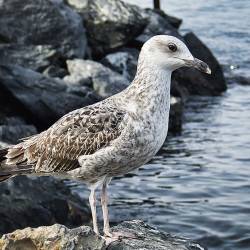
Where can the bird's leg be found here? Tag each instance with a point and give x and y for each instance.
(92, 202)
(104, 202)
(114, 236)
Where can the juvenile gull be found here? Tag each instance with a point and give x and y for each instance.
(111, 137)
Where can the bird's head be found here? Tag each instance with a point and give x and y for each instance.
(171, 53)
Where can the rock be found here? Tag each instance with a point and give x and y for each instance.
(198, 83)
(83, 238)
(27, 201)
(158, 24)
(12, 128)
(42, 22)
(3, 145)
(41, 58)
(124, 62)
(109, 24)
(40, 99)
(150, 238)
(53, 237)
(104, 81)
(11, 134)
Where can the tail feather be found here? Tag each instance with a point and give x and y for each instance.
(11, 163)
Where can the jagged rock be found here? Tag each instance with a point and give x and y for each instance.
(42, 100)
(53, 237)
(42, 22)
(104, 81)
(150, 238)
(158, 24)
(83, 238)
(110, 24)
(35, 201)
(196, 82)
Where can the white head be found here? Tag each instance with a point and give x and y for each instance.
(171, 53)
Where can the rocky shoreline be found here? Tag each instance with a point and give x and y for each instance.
(83, 238)
(60, 55)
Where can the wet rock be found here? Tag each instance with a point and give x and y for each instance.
(60, 237)
(158, 24)
(109, 24)
(198, 83)
(42, 22)
(40, 99)
(103, 80)
(27, 201)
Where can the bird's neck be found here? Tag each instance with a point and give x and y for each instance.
(150, 89)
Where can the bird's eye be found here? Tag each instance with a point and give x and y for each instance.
(172, 47)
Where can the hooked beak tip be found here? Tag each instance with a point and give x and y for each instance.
(198, 64)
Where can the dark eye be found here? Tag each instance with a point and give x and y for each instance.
(172, 47)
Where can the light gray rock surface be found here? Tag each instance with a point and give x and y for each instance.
(103, 80)
(83, 238)
(56, 237)
(123, 61)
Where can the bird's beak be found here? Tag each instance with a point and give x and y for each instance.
(198, 64)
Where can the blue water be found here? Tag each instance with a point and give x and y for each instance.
(199, 183)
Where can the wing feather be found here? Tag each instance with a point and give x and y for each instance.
(80, 132)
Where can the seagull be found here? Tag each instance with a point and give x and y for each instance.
(112, 137)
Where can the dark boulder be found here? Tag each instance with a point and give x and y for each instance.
(42, 22)
(40, 99)
(36, 201)
(103, 80)
(109, 24)
(198, 83)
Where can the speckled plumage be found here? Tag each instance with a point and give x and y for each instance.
(112, 137)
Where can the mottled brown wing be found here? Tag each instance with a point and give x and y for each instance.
(80, 132)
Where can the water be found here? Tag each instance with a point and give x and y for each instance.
(199, 183)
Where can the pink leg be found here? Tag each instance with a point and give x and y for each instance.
(104, 202)
(106, 228)
(92, 202)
